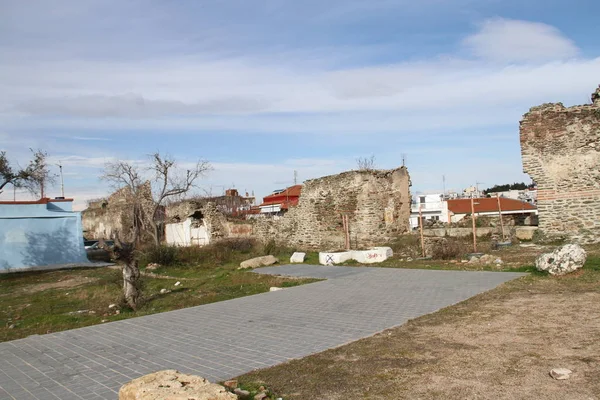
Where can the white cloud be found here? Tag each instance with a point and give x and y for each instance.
(507, 40)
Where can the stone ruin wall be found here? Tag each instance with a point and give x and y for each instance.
(377, 204)
(560, 148)
(104, 218)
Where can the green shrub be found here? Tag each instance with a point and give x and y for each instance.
(163, 255)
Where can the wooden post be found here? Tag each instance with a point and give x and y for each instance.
(474, 229)
(421, 226)
(500, 214)
(346, 227)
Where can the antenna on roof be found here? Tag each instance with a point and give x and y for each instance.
(404, 159)
(295, 177)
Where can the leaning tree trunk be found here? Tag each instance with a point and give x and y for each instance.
(131, 281)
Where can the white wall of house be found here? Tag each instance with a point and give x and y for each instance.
(186, 234)
(432, 206)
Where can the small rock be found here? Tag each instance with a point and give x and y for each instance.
(112, 306)
(104, 320)
(241, 392)
(118, 312)
(152, 266)
(233, 383)
(177, 283)
(464, 261)
(260, 396)
(409, 259)
(561, 373)
(92, 312)
(163, 291)
(275, 289)
(498, 261)
(11, 326)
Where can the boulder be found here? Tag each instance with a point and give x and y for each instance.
(258, 262)
(563, 260)
(173, 385)
(297, 257)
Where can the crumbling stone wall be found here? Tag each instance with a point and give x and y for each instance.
(560, 148)
(377, 204)
(104, 218)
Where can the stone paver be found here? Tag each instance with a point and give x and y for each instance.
(229, 338)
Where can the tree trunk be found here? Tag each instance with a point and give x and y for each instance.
(131, 280)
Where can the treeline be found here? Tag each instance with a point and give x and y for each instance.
(505, 187)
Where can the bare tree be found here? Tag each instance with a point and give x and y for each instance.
(366, 163)
(35, 177)
(169, 182)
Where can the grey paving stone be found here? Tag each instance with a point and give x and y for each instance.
(221, 340)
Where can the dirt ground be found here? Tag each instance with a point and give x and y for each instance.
(498, 345)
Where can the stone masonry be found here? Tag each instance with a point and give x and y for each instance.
(104, 218)
(560, 148)
(377, 204)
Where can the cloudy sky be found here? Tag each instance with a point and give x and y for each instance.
(263, 88)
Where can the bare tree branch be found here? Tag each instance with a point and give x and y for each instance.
(366, 163)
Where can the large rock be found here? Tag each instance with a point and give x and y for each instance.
(297, 257)
(259, 262)
(563, 260)
(173, 385)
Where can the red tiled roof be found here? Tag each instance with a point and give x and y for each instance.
(292, 191)
(488, 204)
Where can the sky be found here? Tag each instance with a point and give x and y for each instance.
(263, 88)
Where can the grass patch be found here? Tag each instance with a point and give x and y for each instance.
(50, 301)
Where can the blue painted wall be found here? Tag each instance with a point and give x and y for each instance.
(36, 235)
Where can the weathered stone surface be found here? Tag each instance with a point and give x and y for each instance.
(297, 257)
(560, 148)
(525, 232)
(173, 385)
(563, 260)
(259, 262)
(561, 373)
(377, 204)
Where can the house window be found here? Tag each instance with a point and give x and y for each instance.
(422, 199)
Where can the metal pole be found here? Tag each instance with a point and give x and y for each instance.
(474, 229)
(62, 181)
(421, 226)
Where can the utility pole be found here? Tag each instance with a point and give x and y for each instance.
(62, 181)
(444, 184)
(295, 177)
(477, 188)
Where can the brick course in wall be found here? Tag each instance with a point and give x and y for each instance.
(560, 148)
(377, 204)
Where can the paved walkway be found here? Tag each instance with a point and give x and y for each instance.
(229, 338)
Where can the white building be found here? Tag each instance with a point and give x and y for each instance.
(431, 206)
(190, 232)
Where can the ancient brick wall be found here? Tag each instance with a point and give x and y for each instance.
(377, 204)
(560, 148)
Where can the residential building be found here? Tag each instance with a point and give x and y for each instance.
(431, 206)
(40, 234)
(280, 201)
